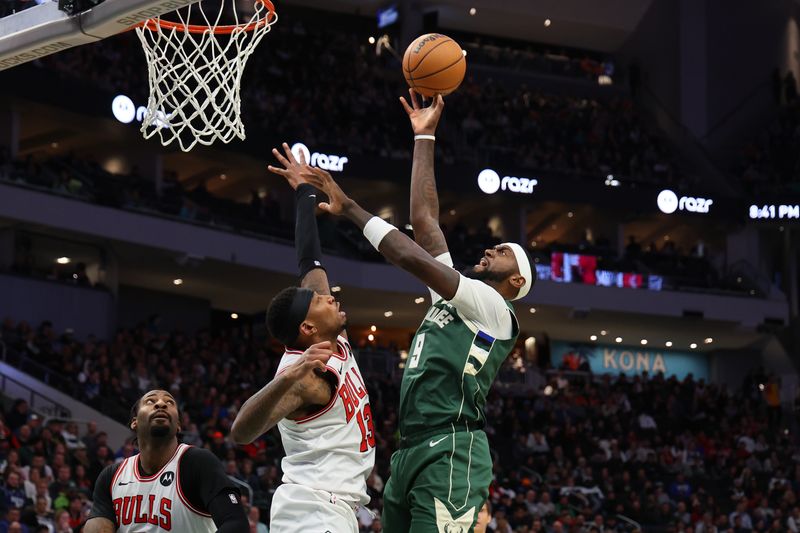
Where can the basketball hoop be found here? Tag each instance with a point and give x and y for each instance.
(195, 68)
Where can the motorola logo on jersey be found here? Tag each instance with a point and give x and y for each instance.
(167, 478)
(334, 163)
(668, 202)
(489, 181)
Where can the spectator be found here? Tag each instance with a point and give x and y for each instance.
(44, 515)
(255, 518)
(13, 493)
(62, 485)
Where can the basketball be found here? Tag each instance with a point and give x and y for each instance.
(434, 64)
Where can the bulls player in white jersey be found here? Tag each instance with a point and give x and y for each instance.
(167, 486)
(317, 399)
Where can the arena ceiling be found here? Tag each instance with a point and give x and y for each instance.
(602, 26)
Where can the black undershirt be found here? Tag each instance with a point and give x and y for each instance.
(204, 483)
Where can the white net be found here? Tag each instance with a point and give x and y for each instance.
(195, 67)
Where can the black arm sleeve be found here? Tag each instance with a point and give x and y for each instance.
(229, 517)
(208, 489)
(102, 507)
(306, 235)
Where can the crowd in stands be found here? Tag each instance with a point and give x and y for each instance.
(770, 162)
(592, 454)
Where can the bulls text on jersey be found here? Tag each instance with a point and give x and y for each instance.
(137, 510)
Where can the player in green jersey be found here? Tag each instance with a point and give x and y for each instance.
(442, 471)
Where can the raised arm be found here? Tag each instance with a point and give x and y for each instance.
(424, 197)
(306, 234)
(292, 392)
(394, 245)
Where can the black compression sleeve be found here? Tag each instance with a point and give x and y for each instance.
(102, 507)
(203, 480)
(306, 235)
(229, 517)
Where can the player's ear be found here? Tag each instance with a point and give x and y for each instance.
(516, 280)
(133, 424)
(307, 328)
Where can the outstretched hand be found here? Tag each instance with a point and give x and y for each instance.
(423, 119)
(292, 168)
(322, 180)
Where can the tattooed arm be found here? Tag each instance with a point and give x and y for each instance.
(298, 390)
(424, 198)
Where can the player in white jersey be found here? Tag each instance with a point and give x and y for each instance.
(167, 486)
(318, 398)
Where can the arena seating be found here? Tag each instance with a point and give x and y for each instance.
(588, 453)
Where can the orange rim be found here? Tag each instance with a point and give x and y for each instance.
(157, 24)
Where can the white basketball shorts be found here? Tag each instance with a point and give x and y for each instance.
(297, 508)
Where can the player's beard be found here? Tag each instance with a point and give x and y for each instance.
(483, 275)
(160, 432)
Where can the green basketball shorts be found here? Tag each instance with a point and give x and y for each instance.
(438, 483)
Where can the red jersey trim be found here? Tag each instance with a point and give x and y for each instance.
(322, 411)
(116, 475)
(157, 474)
(181, 495)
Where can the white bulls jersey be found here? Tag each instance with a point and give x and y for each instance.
(155, 503)
(333, 449)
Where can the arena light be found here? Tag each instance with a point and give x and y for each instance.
(643, 342)
(593, 338)
(668, 344)
(373, 329)
(547, 23)
(618, 340)
(336, 288)
(603, 332)
(63, 260)
(419, 300)
(235, 316)
(761, 387)
(693, 345)
(370, 337)
(473, 11)
(708, 340)
(371, 39)
(548, 390)
(388, 314)
(177, 281)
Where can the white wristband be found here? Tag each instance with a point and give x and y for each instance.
(376, 229)
(424, 137)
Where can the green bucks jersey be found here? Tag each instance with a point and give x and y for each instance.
(452, 362)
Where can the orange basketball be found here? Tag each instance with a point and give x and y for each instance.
(434, 63)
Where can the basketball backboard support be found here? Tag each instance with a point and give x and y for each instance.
(44, 29)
